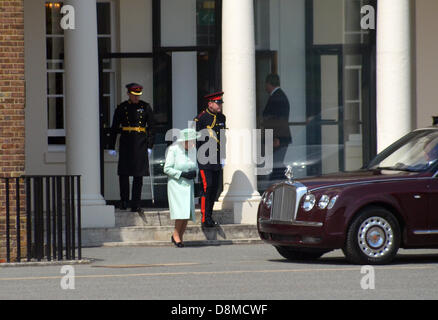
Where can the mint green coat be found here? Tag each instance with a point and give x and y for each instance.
(180, 191)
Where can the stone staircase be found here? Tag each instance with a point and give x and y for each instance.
(153, 227)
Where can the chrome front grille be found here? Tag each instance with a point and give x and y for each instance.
(284, 203)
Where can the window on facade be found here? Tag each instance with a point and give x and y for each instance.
(55, 65)
(105, 45)
(55, 73)
(205, 22)
(261, 24)
(189, 23)
(353, 33)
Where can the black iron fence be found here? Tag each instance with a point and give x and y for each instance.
(48, 221)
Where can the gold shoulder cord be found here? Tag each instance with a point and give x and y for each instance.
(210, 129)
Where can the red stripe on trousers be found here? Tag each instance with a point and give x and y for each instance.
(204, 185)
(204, 180)
(203, 209)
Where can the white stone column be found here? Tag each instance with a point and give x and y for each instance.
(394, 71)
(82, 112)
(238, 82)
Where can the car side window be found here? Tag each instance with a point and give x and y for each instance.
(416, 154)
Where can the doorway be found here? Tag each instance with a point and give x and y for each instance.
(182, 67)
(154, 73)
(340, 92)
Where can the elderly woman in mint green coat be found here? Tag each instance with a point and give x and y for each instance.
(181, 168)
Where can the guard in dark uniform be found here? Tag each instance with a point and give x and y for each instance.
(213, 121)
(134, 121)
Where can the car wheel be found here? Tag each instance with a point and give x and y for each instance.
(296, 254)
(373, 237)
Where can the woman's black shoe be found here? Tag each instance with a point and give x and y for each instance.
(177, 244)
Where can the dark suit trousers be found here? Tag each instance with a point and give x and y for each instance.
(279, 165)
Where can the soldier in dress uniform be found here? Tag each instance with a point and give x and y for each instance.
(134, 121)
(213, 121)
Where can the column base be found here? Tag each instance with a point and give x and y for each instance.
(244, 209)
(96, 214)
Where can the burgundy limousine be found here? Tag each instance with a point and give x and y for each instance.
(369, 214)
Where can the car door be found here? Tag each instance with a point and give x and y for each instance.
(412, 196)
(432, 213)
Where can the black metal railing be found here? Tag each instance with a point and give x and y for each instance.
(52, 214)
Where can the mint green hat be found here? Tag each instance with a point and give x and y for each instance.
(188, 134)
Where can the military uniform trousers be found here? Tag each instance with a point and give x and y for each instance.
(208, 194)
(137, 185)
(133, 161)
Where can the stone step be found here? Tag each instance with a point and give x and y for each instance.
(186, 243)
(156, 234)
(161, 217)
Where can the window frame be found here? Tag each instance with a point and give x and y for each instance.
(59, 134)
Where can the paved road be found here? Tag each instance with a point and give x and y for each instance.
(237, 272)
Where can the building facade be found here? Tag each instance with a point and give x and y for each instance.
(358, 74)
(12, 102)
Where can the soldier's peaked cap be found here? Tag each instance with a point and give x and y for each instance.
(135, 89)
(215, 97)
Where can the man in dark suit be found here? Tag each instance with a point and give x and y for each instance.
(276, 117)
(134, 121)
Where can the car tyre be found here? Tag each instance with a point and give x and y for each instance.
(373, 237)
(295, 254)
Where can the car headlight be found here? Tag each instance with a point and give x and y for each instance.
(323, 201)
(267, 199)
(309, 202)
(332, 202)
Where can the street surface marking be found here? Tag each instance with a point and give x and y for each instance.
(122, 266)
(198, 273)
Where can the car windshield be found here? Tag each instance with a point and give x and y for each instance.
(416, 152)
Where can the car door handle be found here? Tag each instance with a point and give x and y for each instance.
(417, 196)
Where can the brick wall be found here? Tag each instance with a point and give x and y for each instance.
(12, 100)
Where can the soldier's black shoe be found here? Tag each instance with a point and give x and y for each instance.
(123, 205)
(209, 223)
(135, 209)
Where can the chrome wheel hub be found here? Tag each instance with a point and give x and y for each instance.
(375, 237)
